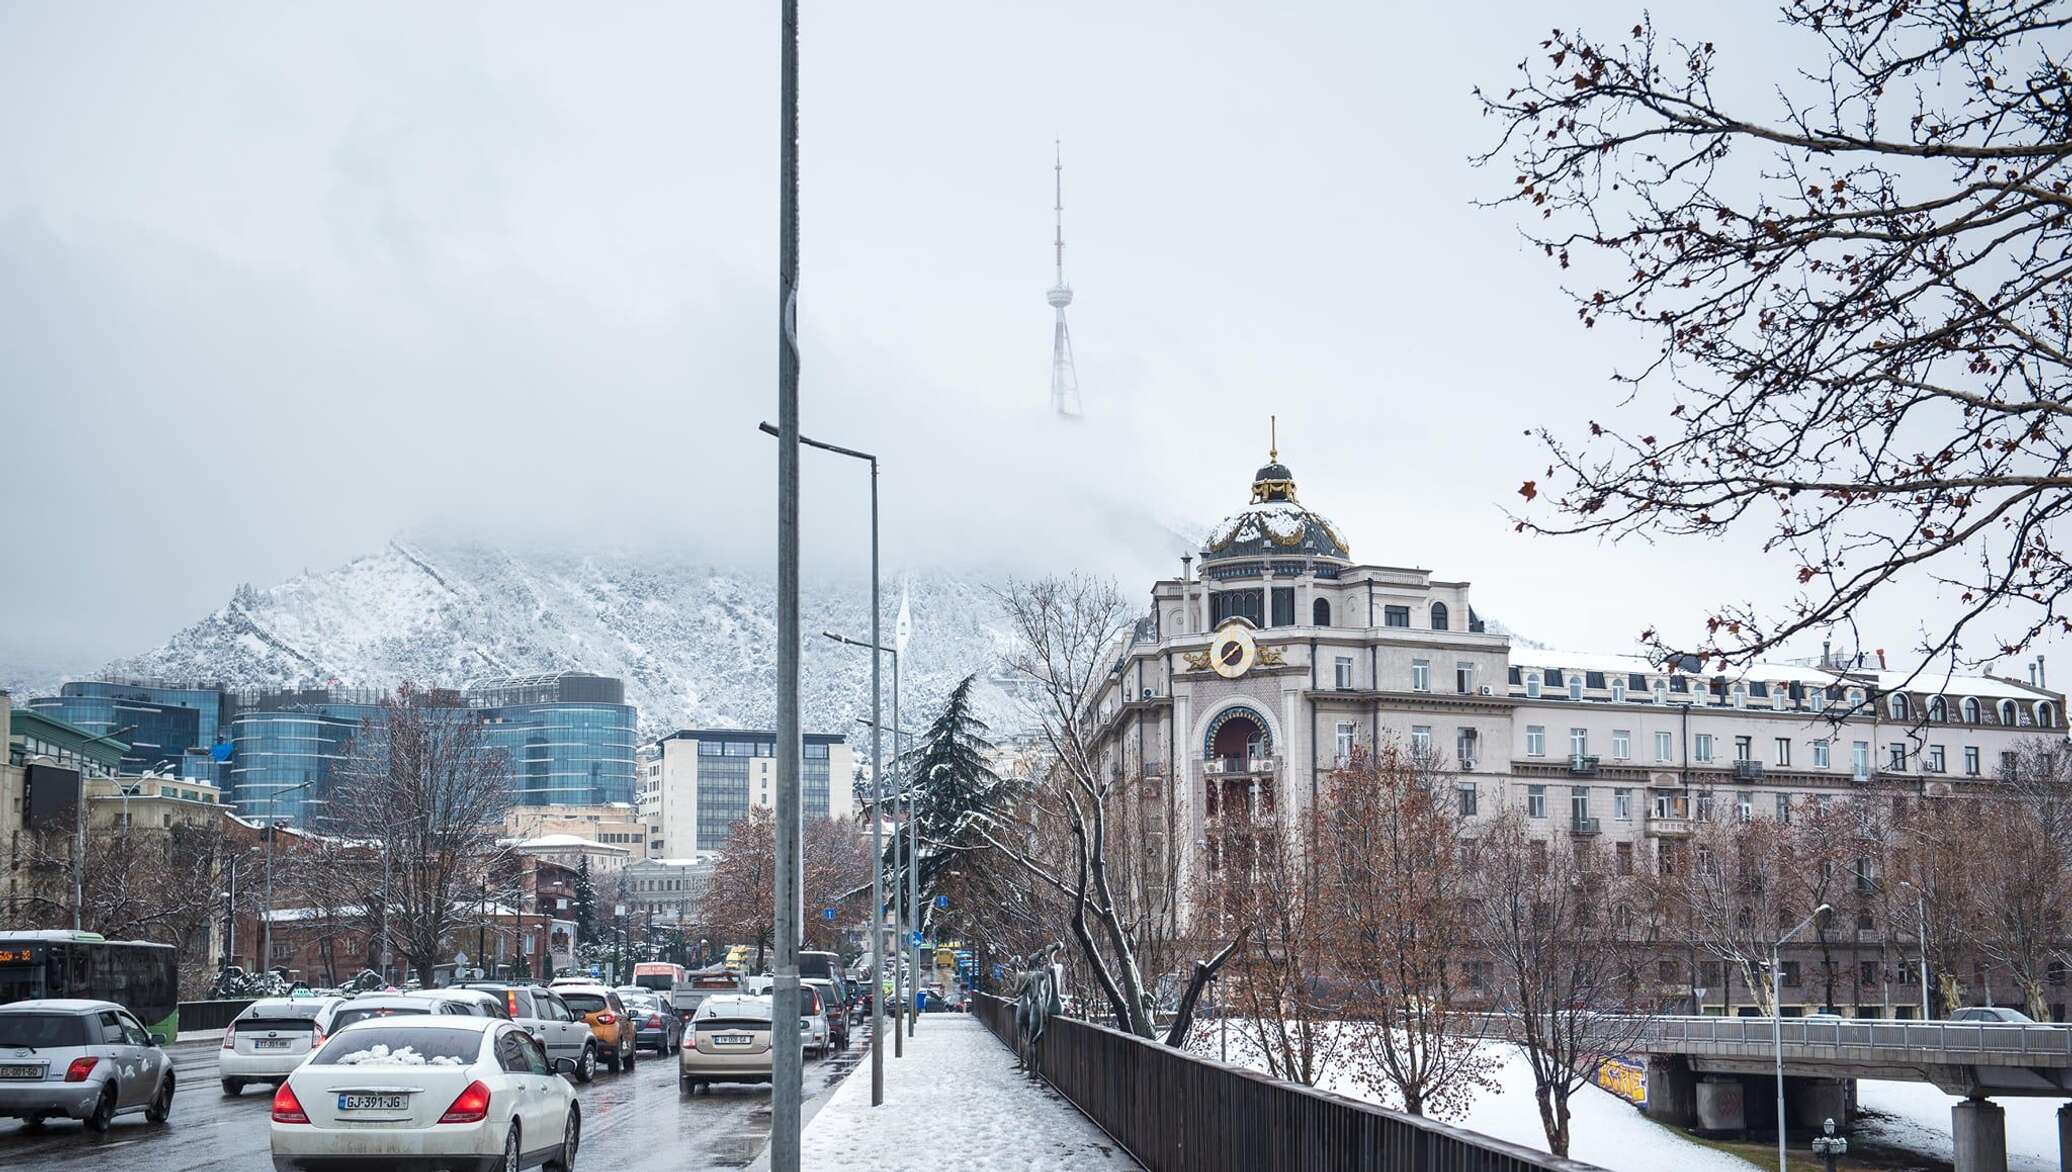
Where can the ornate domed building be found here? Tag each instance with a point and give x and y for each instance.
(1253, 679)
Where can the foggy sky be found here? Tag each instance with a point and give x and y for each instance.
(281, 281)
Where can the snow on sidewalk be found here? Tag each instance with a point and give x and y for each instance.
(954, 1101)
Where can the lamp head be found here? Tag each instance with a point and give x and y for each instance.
(1825, 909)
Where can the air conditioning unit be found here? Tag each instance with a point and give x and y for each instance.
(1148, 693)
(1485, 690)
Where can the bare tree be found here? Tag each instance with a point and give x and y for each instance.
(1727, 894)
(1398, 885)
(2021, 875)
(1284, 983)
(1067, 634)
(740, 901)
(420, 786)
(137, 882)
(1862, 302)
(1566, 964)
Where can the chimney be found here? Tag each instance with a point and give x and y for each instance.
(2032, 674)
(1827, 655)
(1186, 568)
(2039, 673)
(1881, 659)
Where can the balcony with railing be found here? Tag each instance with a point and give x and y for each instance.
(1671, 826)
(1240, 766)
(1580, 765)
(1746, 770)
(1584, 826)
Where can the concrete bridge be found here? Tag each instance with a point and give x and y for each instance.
(1718, 1073)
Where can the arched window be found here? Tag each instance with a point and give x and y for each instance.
(2006, 709)
(1532, 685)
(1969, 708)
(1618, 689)
(1661, 691)
(1816, 698)
(1780, 699)
(1320, 613)
(1438, 616)
(2044, 715)
(1740, 695)
(1575, 685)
(1938, 710)
(1855, 698)
(1896, 706)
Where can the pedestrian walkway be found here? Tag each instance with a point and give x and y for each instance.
(955, 1100)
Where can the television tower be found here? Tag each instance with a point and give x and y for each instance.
(1064, 379)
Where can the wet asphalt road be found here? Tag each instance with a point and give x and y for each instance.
(634, 1121)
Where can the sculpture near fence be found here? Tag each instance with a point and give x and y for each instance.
(1036, 998)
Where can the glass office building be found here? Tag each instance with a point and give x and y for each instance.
(570, 736)
(289, 746)
(161, 722)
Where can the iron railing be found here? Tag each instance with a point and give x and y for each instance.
(1961, 1042)
(1175, 1111)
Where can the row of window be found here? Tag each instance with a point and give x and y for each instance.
(813, 750)
(1780, 698)
(1663, 804)
(1930, 759)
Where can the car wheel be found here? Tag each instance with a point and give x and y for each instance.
(571, 1139)
(685, 1086)
(612, 1061)
(162, 1103)
(586, 1067)
(632, 1056)
(233, 1086)
(514, 1160)
(104, 1111)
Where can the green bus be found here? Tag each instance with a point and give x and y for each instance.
(141, 977)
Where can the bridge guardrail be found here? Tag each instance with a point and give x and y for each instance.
(2039, 1040)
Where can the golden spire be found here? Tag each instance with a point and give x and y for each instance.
(1273, 442)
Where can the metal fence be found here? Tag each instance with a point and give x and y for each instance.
(1177, 1112)
(1956, 1041)
(210, 1015)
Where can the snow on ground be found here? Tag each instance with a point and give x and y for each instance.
(1916, 1116)
(954, 1101)
(1604, 1129)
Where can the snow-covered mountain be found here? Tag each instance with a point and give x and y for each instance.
(695, 642)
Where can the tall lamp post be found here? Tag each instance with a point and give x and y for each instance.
(266, 923)
(877, 788)
(1777, 1022)
(79, 825)
(1921, 940)
(787, 1076)
(877, 826)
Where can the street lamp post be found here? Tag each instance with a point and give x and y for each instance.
(877, 825)
(1777, 1022)
(1921, 940)
(877, 781)
(266, 923)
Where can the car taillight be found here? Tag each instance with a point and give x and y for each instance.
(654, 1019)
(607, 1018)
(286, 1107)
(230, 1037)
(316, 1038)
(511, 1002)
(80, 1068)
(470, 1106)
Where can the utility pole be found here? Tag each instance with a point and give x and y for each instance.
(788, 1066)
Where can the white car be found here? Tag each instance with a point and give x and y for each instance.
(271, 1038)
(813, 1027)
(427, 1091)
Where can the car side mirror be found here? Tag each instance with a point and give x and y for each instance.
(564, 1066)
(153, 1040)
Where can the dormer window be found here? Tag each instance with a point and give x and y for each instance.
(2006, 711)
(1575, 687)
(2044, 715)
(1661, 691)
(1816, 699)
(1439, 617)
(1897, 708)
(1740, 695)
(1532, 685)
(1938, 710)
(1968, 707)
(1618, 690)
(1855, 699)
(1779, 701)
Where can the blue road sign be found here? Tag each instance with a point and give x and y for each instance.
(827, 914)
(917, 939)
(942, 901)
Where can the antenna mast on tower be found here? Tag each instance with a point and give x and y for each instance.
(1064, 378)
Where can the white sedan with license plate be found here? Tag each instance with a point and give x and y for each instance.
(427, 1093)
(272, 1037)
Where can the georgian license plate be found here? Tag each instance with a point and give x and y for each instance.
(374, 1102)
(732, 1039)
(21, 1072)
(270, 1043)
